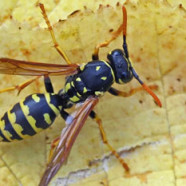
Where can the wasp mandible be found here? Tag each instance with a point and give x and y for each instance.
(84, 84)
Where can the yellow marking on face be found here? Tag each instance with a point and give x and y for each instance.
(47, 118)
(112, 72)
(84, 90)
(82, 67)
(129, 63)
(60, 107)
(98, 67)
(29, 118)
(53, 107)
(104, 78)
(67, 87)
(17, 128)
(35, 98)
(6, 133)
(78, 79)
(74, 99)
(98, 93)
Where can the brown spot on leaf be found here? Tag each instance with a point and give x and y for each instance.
(25, 52)
(140, 101)
(178, 79)
(111, 30)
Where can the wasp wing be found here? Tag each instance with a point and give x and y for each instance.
(67, 139)
(18, 67)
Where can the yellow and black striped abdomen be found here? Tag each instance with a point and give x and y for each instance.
(30, 116)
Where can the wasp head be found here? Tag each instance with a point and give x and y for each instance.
(121, 66)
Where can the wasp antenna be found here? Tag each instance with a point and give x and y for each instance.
(124, 21)
(156, 99)
(125, 31)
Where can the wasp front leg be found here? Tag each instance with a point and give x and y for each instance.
(116, 92)
(149, 89)
(95, 117)
(122, 28)
(95, 55)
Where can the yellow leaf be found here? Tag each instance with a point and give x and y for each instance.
(150, 139)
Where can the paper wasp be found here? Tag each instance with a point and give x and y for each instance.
(84, 84)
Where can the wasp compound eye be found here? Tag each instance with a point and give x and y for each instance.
(127, 76)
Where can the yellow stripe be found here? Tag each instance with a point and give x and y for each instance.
(74, 99)
(79, 95)
(84, 90)
(30, 119)
(17, 128)
(72, 83)
(112, 72)
(35, 98)
(98, 67)
(82, 66)
(47, 118)
(129, 63)
(6, 133)
(53, 107)
(67, 87)
(104, 78)
(78, 79)
(120, 81)
(99, 93)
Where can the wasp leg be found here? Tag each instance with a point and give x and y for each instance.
(116, 92)
(123, 27)
(94, 116)
(95, 55)
(56, 45)
(64, 114)
(48, 84)
(21, 86)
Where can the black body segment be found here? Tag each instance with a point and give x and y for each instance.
(30, 116)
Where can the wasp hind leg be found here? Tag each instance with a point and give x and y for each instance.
(94, 116)
(21, 86)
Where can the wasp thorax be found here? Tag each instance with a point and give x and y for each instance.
(121, 66)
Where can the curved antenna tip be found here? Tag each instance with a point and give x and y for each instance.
(156, 99)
